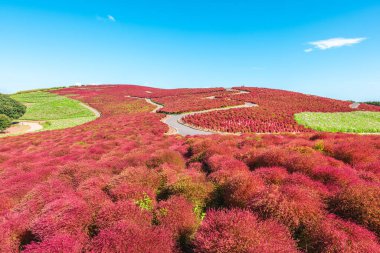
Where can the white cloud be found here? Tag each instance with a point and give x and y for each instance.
(333, 42)
(111, 18)
(108, 18)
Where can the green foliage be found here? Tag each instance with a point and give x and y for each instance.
(349, 122)
(199, 212)
(58, 112)
(319, 145)
(145, 203)
(42, 89)
(5, 122)
(10, 107)
(48, 106)
(373, 103)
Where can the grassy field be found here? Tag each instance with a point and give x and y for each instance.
(349, 122)
(57, 112)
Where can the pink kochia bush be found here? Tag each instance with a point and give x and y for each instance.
(67, 214)
(359, 202)
(275, 112)
(220, 162)
(177, 215)
(237, 189)
(127, 237)
(293, 206)
(112, 213)
(118, 184)
(236, 231)
(336, 235)
(58, 243)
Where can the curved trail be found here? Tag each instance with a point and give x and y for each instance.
(33, 126)
(177, 126)
(24, 127)
(96, 112)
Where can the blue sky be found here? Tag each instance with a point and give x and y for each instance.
(328, 48)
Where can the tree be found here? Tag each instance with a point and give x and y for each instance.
(10, 107)
(5, 122)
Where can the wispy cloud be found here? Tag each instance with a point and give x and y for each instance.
(111, 18)
(333, 43)
(108, 18)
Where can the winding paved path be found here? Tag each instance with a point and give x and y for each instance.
(174, 121)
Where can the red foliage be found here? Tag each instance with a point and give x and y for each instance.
(241, 231)
(58, 243)
(336, 235)
(126, 237)
(350, 150)
(359, 202)
(68, 214)
(236, 189)
(275, 112)
(105, 182)
(296, 159)
(122, 211)
(272, 175)
(220, 162)
(292, 205)
(178, 216)
(195, 102)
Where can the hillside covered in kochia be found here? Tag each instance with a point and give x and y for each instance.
(119, 184)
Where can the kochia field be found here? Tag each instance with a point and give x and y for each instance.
(121, 184)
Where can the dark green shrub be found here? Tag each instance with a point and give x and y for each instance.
(373, 103)
(10, 107)
(5, 122)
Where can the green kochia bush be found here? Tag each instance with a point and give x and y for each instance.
(5, 122)
(10, 107)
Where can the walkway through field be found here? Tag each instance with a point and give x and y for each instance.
(177, 126)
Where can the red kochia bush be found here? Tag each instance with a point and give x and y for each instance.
(192, 185)
(58, 243)
(359, 202)
(178, 216)
(334, 177)
(292, 205)
(238, 188)
(126, 237)
(236, 231)
(336, 235)
(220, 162)
(294, 159)
(122, 210)
(272, 175)
(68, 214)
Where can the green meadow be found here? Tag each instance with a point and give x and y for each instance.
(347, 122)
(56, 112)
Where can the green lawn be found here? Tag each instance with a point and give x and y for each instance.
(348, 122)
(56, 111)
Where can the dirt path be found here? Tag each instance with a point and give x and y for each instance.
(96, 112)
(22, 127)
(33, 126)
(354, 105)
(158, 106)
